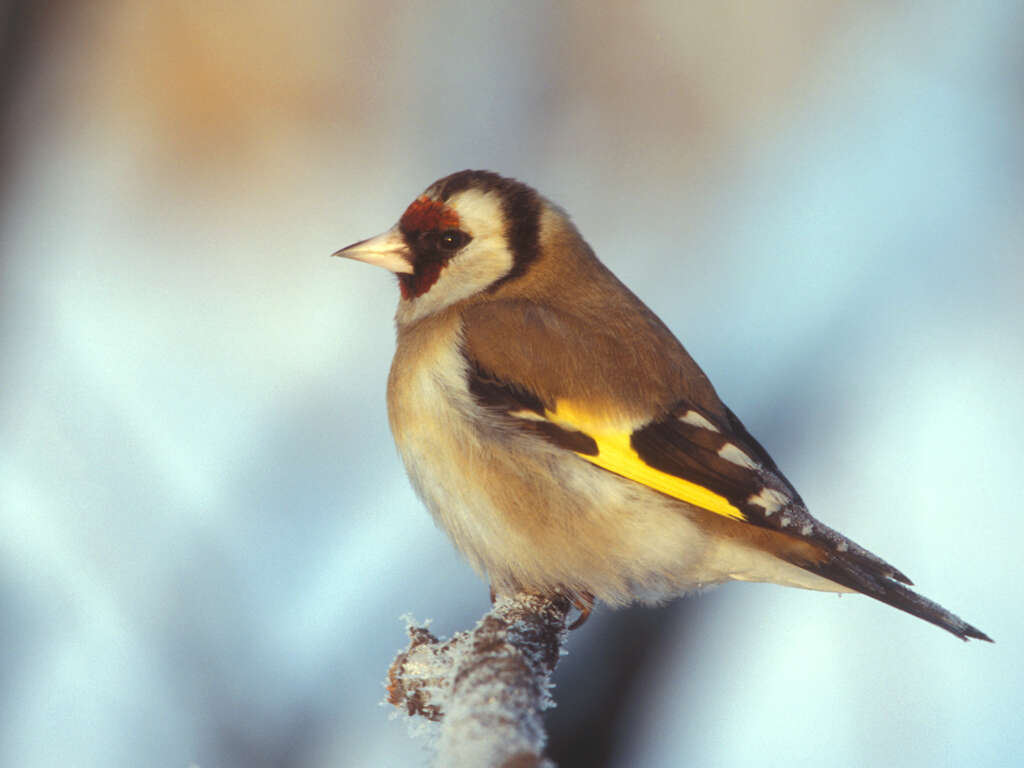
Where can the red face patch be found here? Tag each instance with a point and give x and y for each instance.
(425, 214)
(419, 283)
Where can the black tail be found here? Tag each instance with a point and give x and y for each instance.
(875, 583)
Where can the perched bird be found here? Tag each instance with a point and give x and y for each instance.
(562, 436)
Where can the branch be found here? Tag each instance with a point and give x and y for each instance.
(486, 687)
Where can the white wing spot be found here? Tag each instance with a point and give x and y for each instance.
(695, 419)
(784, 521)
(807, 530)
(770, 499)
(730, 452)
(842, 546)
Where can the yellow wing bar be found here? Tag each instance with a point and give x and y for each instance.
(616, 454)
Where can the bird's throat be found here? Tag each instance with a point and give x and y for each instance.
(420, 281)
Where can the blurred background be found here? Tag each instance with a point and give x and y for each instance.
(207, 537)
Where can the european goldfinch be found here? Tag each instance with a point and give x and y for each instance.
(562, 436)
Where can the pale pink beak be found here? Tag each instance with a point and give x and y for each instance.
(388, 250)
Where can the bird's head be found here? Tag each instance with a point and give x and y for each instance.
(468, 233)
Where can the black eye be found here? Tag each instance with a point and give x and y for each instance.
(452, 239)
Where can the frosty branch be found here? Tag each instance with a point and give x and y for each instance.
(487, 687)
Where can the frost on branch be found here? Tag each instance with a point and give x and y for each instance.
(487, 687)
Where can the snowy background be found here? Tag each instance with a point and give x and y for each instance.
(206, 536)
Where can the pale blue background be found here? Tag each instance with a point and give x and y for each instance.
(207, 536)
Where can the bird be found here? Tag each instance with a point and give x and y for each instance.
(563, 437)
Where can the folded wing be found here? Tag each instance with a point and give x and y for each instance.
(710, 461)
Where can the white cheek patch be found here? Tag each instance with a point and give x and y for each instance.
(482, 262)
(478, 265)
(470, 271)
